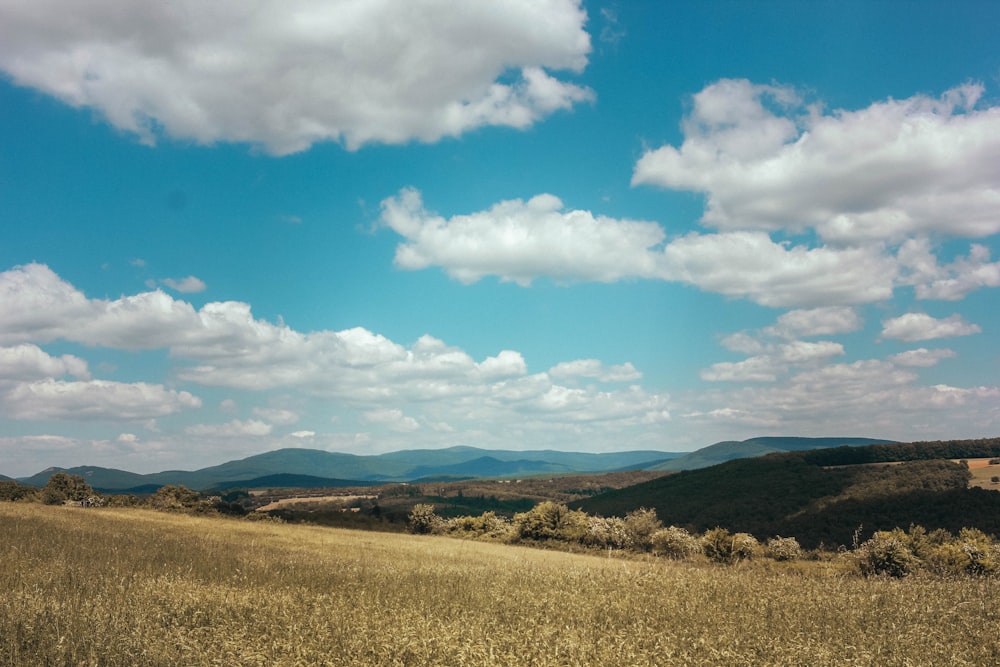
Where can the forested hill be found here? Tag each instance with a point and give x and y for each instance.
(729, 450)
(799, 494)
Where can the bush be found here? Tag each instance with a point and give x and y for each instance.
(886, 553)
(676, 543)
(63, 486)
(423, 520)
(724, 547)
(488, 524)
(783, 548)
(12, 491)
(610, 533)
(640, 525)
(174, 498)
(551, 521)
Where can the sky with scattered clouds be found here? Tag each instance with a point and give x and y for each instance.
(237, 226)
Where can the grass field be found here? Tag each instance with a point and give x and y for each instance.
(983, 473)
(135, 587)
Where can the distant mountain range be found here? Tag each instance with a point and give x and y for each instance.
(306, 468)
(315, 468)
(729, 450)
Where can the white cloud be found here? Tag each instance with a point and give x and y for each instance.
(392, 419)
(751, 265)
(769, 161)
(429, 383)
(29, 362)
(232, 429)
(772, 361)
(303, 435)
(815, 322)
(520, 241)
(949, 282)
(185, 285)
(753, 369)
(288, 75)
(595, 369)
(921, 357)
(866, 397)
(93, 400)
(921, 326)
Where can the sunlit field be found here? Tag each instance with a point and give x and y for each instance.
(135, 587)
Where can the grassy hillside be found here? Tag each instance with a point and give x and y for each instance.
(794, 494)
(136, 588)
(730, 450)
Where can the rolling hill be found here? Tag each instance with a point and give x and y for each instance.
(821, 496)
(729, 450)
(283, 465)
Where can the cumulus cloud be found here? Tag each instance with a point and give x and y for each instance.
(30, 362)
(921, 326)
(921, 357)
(596, 370)
(815, 322)
(752, 265)
(93, 400)
(772, 361)
(767, 159)
(288, 75)
(429, 382)
(521, 241)
(868, 188)
(866, 396)
(392, 419)
(949, 282)
(232, 429)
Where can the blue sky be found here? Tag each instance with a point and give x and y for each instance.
(234, 227)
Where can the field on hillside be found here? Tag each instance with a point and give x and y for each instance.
(983, 473)
(135, 587)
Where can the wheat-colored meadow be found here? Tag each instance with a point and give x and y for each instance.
(135, 587)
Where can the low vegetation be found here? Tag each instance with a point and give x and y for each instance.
(127, 586)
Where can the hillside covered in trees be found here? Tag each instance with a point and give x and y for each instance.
(822, 496)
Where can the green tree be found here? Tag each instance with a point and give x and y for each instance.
(63, 486)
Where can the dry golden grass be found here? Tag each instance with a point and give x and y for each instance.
(134, 587)
(983, 473)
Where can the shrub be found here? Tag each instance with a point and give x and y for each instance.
(12, 491)
(886, 553)
(551, 521)
(676, 543)
(640, 525)
(423, 520)
(178, 497)
(724, 547)
(63, 486)
(611, 533)
(783, 548)
(488, 524)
